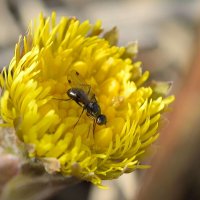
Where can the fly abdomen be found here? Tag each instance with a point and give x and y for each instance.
(78, 95)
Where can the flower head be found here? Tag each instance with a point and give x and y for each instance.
(35, 102)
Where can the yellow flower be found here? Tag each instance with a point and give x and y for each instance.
(37, 78)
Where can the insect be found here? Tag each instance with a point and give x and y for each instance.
(81, 93)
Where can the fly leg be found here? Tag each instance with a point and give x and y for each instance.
(89, 88)
(79, 117)
(88, 131)
(94, 126)
(62, 99)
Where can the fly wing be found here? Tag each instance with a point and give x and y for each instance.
(77, 81)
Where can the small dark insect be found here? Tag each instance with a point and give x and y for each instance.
(81, 93)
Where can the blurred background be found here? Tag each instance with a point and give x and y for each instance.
(168, 33)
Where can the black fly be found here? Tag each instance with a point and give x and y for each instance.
(81, 93)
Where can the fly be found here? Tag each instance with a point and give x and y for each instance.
(81, 93)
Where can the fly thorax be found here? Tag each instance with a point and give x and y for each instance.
(94, 109)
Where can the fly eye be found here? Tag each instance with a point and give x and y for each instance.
(101, 119)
